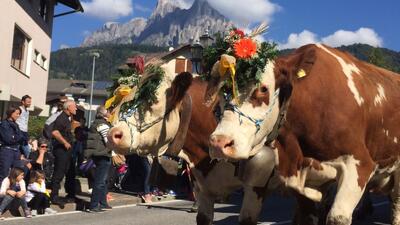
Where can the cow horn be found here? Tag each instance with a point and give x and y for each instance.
(218, 75)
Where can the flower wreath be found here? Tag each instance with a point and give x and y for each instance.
(135, 87)
(251, 58)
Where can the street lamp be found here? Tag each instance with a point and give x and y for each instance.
(95, 55)
(196, 50)
(206, 40)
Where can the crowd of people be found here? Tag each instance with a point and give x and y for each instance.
(32, 168)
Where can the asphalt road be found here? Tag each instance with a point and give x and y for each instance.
(276, 210)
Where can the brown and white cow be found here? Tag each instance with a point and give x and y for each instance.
(213, 179)
(341, 118)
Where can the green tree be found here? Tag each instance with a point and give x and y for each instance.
(376, 58)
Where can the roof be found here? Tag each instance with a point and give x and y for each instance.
(74, 4)
(77, 87)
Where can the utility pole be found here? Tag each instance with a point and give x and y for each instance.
(95, 55)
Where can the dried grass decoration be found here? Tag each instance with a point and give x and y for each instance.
(251, 58)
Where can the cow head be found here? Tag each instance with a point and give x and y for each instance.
(247, 120)
(152, 128)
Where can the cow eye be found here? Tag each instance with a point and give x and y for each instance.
(263, 89)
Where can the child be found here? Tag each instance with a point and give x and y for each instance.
(13, 188)
(38, 197)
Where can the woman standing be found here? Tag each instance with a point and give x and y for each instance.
(10, 139)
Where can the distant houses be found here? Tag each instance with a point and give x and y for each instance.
(27, 27)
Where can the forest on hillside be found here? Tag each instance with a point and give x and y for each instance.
(76, 63)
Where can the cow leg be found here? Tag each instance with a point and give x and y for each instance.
(353, 176)
(205, 214)
(252, 203)
(395, 196)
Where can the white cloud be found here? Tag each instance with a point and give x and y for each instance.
(246, 12)
(338, 38)
(141, 8)
(297, 40)
(362, 35)
(108, 9)
(64, 46)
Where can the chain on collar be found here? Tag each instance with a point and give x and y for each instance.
(257, 122)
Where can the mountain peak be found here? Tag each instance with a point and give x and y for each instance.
(172, 23)
(163, 8)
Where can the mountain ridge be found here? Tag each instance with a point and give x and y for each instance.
(168, 25)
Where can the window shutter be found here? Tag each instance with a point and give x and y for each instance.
(180, 65)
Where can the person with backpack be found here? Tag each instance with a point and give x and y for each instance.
(97, 150)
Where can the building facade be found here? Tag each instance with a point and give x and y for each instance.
(26, 30)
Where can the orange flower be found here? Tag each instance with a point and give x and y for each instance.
(245, 48)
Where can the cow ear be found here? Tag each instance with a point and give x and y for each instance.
(284, 83)
(179, 87)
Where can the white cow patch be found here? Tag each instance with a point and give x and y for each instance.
(349, 192)
(380, 97)
(348, 70)
(395, 140)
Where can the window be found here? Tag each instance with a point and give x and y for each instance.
(20, 49)
(180, 65)
(43, 62)
(36, 56)
(43, 9)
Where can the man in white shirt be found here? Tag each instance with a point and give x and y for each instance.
(22, 122)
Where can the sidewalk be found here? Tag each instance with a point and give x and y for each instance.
(119, 198)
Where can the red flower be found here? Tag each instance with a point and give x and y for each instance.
(245, 48)
(137, 63)
(240, 33)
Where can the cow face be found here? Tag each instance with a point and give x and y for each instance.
(151, 130)
(243, 128)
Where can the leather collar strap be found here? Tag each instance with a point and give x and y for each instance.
(278, 124)
(185, 115)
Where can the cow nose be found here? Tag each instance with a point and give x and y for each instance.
(116, 136)
(221, 142)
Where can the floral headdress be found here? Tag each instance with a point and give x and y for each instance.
(251, 57)
(135, 87)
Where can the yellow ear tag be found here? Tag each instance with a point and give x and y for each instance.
(301, 73)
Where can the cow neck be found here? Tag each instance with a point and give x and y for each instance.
(141, 128)
(185, 115)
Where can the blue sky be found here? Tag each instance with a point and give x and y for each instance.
(292, 23)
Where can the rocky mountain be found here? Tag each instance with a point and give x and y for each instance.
(168, 25)
(116, 33)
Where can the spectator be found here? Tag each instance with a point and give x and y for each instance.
(42, 159)
(10, 140)
(23, 121)
(62, 150)
(13, 189)
(38, 197)
(101, 156)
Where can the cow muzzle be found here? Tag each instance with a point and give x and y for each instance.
(119, 140)
(222, 147)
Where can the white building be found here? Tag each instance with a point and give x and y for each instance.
(26, 31)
